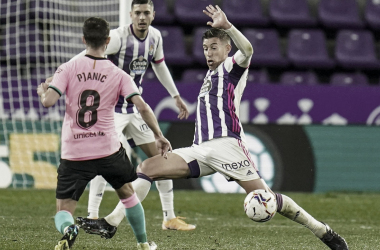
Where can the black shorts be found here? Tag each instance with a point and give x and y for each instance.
(73, 176)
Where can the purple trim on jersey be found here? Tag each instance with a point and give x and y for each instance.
(145, 177)
(213, 99)
(133, 33)
(203, 116)
(233, 59)
(195, 171)
(196, 135)
(279, 202)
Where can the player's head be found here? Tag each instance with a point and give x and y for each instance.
(96, 32)
(216, 46)
(142, 14)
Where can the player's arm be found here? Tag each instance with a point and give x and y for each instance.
(219, 20)
(148, 116)
(164, 76)
(48, 96)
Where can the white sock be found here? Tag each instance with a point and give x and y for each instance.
(97, 187)
(141, 187)
(292, 211)
(165, 188)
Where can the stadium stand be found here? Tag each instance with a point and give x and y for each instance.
(372, 14)
(307, 49)
(299, 78)
(291, 13)
(245, 12)
(344, 79)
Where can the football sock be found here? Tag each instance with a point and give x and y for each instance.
(141, 187)
(63, 219)
(288, 208)
(165, 188)
(135, 215)
(97, 187)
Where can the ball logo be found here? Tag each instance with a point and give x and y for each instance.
(139, 65)
(374, 117)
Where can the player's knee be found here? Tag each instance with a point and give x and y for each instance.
(260, 205)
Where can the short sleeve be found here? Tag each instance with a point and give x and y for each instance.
(159, 55)
(115, 43)
(128, 87)
(61, 79)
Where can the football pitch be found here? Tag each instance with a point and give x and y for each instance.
(26, 222)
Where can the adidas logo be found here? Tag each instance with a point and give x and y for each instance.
(99, 195)
(249, 172)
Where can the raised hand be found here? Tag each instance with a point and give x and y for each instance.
(219, 19)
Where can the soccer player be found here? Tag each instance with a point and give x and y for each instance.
(219, 141)
(133, 48)
(89, 144)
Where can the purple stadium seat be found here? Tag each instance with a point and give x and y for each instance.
(291, 13)
(40, 74)
(193, 76)
(307, 49)
(247, 12)
(174, 46)
(258, 77)
(298, 78)
(339, 14)
(345, 79)
(191, 11)
(163, 16)
(372, 14)
(197, 48)
(266, 46)
(356, 49)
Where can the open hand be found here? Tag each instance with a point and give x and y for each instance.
(183, 111)
(219, 19)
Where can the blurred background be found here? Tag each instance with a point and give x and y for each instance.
(311, 108)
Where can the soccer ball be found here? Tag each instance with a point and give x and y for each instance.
(260, 205)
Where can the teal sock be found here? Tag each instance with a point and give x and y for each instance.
(62, 220)
(136, 218)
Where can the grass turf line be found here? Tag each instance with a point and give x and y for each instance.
(26, 222)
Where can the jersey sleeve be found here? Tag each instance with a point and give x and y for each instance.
(115, 43)
(61, 79)
(127, 87)
(159, 55)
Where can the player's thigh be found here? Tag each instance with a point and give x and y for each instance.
(73, 177)
(160, 168)
(121, 121)
(137, 131)
(117, 169)
(196, 158)
(230, 157)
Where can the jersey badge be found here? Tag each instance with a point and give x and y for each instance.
(205, 88)
(151, 47)
(139, 65)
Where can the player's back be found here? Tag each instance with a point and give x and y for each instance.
(93, 87)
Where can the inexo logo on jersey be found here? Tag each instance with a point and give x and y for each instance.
(236, 165)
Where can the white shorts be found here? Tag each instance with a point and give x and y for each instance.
(228, 156)
(134, 128)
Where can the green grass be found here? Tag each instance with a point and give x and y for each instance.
(26, 222)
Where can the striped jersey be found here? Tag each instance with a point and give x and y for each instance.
(219, 101)
(133, 55)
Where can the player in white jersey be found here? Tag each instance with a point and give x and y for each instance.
(219, 143)
(133, 48)
(89, 143)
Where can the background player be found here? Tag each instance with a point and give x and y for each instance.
(219, 140)
(93, 86)
(132, 48)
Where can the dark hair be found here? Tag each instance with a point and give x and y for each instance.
(96, 30)
(150, 2)
(214, 32)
